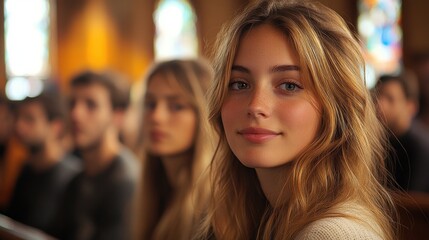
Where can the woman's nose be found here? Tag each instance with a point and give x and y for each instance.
(159, 113)
(259, 103)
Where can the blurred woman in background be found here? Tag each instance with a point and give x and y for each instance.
(177, 148)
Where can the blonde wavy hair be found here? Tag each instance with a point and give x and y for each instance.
(344, 163)
(188, 203)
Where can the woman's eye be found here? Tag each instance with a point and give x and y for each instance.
(238, 85)
(150, 105)
(290, 86)
(176, 106)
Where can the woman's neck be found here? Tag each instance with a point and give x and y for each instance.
(173, 166)
(273, 182)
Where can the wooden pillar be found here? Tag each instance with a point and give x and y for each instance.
(211, 15)
(2, 51)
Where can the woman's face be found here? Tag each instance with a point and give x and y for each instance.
(269, 115)
(169, 118)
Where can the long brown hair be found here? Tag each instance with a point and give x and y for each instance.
(188, 203)
(345, 162)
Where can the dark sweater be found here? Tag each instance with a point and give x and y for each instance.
(37, 194)
(98, 207)
(410, 159)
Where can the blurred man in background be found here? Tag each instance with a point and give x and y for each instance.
(98, 200)
(398, 103)
(41, 125)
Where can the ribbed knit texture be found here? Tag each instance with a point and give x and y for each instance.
(337, 228)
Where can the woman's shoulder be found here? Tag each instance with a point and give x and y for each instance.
(337, 228)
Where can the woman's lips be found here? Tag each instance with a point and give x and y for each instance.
(258, 135)
(157, 136)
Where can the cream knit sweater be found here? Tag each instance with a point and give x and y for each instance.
(337, 228)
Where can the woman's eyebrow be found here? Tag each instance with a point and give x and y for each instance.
(240, 68)
(284, 68)
(277, 68)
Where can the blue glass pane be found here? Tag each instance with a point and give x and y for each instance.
(379, 28)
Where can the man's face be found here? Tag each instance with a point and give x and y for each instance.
(91, 115)
(392, 104)
(32, 125)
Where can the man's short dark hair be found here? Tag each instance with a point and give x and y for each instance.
(408, 82)
(119, 91)
(52, 104)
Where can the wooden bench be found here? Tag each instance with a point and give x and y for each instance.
(12, 230)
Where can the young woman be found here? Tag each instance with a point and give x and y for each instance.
(301, 150)
(177, 149)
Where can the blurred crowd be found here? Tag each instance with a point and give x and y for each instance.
(82, 164)
(71, 163)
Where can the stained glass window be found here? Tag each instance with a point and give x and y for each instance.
(176, 35)
(379, 27)
(26, 34)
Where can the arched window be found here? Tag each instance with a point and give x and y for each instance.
(379, 27)
(176, 35)
(26, 46)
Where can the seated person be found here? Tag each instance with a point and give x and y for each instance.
(397, 99)
(97, 202)
(40, 126)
